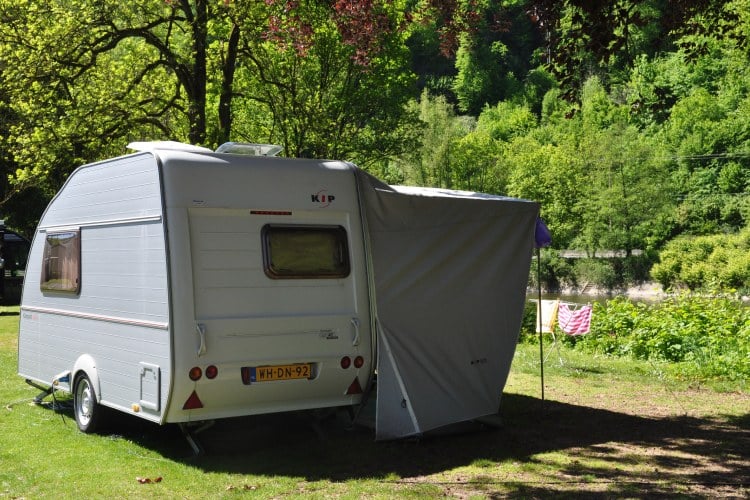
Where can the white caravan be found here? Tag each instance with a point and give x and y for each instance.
(183, 285)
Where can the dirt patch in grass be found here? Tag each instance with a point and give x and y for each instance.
(628, 451)
(615, 441)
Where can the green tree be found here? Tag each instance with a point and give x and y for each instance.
(629, 193)
(84, 78)
(433, 163)
(585, 38)
(434, 69)
(483, 75)
(320, 101)
(602, 183)
(630, 201)
(710, 140)
(474, 53)
(554, 176)
(478, 164)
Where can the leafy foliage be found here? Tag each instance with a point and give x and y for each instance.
(609, 274)
(701, 338)
(705, 337)
(626, 120)
(719, 261)
(81, 79)
(321, 99)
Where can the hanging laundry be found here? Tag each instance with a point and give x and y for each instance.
(546, 310)
(574, 321)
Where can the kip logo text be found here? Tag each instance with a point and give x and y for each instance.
(322, 198)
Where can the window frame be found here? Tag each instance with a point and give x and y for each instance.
(71, 250)
(341, 238)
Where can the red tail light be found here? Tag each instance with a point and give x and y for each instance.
(212, 372)
(195, 373)
(359, 361)
(346, 362)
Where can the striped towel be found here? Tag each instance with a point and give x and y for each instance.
(574, 322)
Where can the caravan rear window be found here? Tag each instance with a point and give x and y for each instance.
(294, 252)
(61, 267)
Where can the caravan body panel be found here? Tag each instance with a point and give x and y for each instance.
(231, 313)
(119, 316)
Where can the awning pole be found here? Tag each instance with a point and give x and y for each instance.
(539, 313)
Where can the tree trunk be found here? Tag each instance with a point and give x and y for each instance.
(197, 89)
(225, 99)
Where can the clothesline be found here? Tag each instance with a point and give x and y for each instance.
(562, 302)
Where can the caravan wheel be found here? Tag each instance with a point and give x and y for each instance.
(87, 410)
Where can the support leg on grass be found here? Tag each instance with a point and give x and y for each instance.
(46, 391)
(190, 432)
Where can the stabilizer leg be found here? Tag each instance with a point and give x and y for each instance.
(190, 433)
(46, 391)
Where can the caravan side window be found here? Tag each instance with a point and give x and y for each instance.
(294, 252)
(61, 267)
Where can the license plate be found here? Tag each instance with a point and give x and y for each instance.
(253, 374)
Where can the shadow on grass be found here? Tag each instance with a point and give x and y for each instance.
(600, 450)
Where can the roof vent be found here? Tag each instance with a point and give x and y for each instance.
(244, 148)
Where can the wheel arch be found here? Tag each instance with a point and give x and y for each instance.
(86, 364)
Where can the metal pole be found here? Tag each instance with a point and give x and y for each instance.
(539, 315)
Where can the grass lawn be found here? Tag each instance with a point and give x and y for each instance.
(607, 428)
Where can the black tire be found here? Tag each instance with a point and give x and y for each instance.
(86, 408)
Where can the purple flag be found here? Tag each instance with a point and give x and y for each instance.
(542, 235)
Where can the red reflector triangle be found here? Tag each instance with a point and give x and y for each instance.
(193, 402)
(354, 388)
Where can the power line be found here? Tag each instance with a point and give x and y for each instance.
(710, 156)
